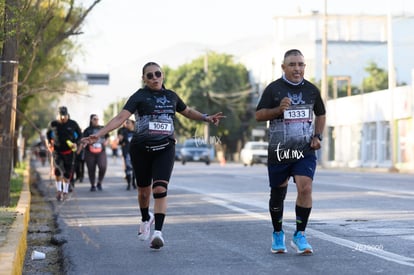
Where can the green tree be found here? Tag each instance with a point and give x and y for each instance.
(42, 32)
(8, 95)
(214, 83)
(113, 109)
(46, 50)
(377, 79)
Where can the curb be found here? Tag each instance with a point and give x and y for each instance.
(13, 251)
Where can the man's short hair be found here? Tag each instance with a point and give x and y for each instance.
(292, 52)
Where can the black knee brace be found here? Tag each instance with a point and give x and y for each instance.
(277, 197)
(159, 195)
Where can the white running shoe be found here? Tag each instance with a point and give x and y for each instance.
(64, 196)
(157, 240)
(59, 195)
(145, 228)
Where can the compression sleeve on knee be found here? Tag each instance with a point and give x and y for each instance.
(277, 197)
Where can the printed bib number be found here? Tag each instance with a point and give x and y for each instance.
(160, 127)
(298, 113)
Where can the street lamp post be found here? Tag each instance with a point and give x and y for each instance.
(391, 88)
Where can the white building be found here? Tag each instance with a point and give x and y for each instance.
(359, 131)
(353, 42)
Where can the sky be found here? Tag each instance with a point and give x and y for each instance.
(120, 36)
(117, 32)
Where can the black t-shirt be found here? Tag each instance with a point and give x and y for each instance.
(154, 114)
(60, 133)
(125, 140)
(291, 133)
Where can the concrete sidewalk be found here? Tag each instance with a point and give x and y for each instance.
(14, 248)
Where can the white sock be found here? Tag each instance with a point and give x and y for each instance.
(59, 186)
(65, 187)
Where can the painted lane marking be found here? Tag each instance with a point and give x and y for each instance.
(225, 200)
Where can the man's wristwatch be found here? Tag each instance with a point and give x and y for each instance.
(205, 117)
(319, 136)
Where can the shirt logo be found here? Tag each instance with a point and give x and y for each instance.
(162, 100)
(296, 99)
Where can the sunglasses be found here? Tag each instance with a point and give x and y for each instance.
(157, 74)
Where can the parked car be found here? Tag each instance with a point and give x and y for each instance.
(195, 150)
(254, 152)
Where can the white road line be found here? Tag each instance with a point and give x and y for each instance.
(225, 199)
(380, 253)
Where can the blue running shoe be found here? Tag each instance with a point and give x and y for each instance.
(278, 243)
(300, 243)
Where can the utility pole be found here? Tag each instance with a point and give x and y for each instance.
(8, 98)
(324, 78)
(391, 88)
(207, 125)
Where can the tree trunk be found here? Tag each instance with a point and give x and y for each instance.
(8, 98)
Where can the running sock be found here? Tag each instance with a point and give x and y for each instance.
(59, 186)
(302, 216)
(145, 214)
(159, 221)
(65, 187)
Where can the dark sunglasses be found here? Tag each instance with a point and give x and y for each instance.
(158, 74)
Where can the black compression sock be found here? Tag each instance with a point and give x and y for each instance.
(159, 221)
(302, 216)
(145, 214)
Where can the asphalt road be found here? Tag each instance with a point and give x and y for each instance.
(217, 223)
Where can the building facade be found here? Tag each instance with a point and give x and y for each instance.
(373, 130)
